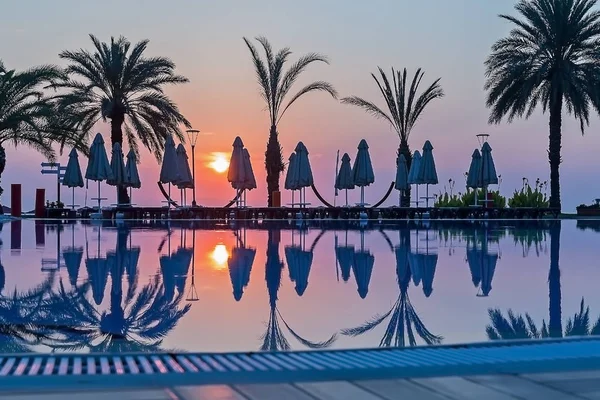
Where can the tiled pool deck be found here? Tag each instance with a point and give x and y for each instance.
(548, 386)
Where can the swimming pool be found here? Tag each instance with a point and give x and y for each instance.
(275, 286)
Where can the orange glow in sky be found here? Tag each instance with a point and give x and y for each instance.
(219, 162)
(220, 255)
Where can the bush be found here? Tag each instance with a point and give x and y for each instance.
(467, 199)
(527, 197)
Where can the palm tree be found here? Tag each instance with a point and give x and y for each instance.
(404, 321)
(117, 82)
(403, 111)
(550, 57)
(518, 327)
(275, 84)
(274, 338)
(27, 115)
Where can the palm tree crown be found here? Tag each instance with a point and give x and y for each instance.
(404, 106)
(117, 82)
(275, 86)
(550, 57)
(27, 115)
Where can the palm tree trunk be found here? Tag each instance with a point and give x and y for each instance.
(405, 149)
(273, 164)
(116, 136)
(554, 150)
(2, 166)
(554, 291)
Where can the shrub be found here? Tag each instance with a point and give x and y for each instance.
(527, 197)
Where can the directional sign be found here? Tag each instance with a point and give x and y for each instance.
(50, 164)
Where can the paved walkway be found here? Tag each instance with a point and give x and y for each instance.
(564, 386)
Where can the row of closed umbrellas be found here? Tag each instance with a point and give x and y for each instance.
(118, 172)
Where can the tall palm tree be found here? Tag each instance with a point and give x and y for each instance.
(118, 83)
(405, 320)
(27, 115)
(404, 106)
(274, 338)
(275, 85)
(550, 57)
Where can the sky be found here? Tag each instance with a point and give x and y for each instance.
(449, 40)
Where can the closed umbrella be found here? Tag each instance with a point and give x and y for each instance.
(303, 172)
(413, 173)
(132, 177)
(98, 168)
(169, 173)
(250, 179)
(240, 266)
(362, 171)
(344, 256)
(344, 179)
(73, 257)
(73, 177)
(185, 174)
(362, 267)
(236, 175)
(291, 180)
(97, 271)
(473, 176)
(117, 166)
(488, 170)
(427, 172)
(299, 262)
(401, 182)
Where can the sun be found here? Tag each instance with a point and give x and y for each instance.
(220, 255)
(219, 162)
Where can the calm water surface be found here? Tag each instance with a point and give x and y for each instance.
(86, 287)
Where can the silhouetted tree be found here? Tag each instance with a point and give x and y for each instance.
(550, 57)
(275, 85)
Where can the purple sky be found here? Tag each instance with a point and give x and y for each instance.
(447, 39)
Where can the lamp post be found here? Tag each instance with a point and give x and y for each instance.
(193, 137)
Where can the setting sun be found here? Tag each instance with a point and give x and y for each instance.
(219, 162)
(220, 255)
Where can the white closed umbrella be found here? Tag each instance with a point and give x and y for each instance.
(186, 180)
(236, 174)
(413, 173)
(362, 171)
(98, 168)
(132, 177)
(344, 179)
(73, 177)
(291, 180)
(488, 175)
(427, 171)
(401, 182)
(303, 172)
(169, 173)
(117, 166)
(250, 179)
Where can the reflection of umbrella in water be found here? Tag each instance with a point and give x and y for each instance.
(482, 264)
(362, 267)
(73, 256)
(299, 262)
(240, 265)
(97, 270)
(344, 255)
(174, 268)
(424, 264)
(274, 339)
(404, 320)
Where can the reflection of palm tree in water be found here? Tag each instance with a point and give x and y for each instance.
(273, 338)
(137, 323)
(404, 321)
(516, 326)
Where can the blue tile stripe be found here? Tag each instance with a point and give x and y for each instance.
(45, 372)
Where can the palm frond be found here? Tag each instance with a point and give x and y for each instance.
(319, 86)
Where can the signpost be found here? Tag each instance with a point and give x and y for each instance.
(56, 169)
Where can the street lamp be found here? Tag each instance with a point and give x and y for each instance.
(193, 137)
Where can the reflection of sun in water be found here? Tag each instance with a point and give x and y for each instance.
(220, 256)
(219, 162)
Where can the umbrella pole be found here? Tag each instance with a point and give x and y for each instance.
(169, 208)
(346, 197)
(293, 198)
(475, 190)
(362, 196)
(427, 195)
(417, 201)
(73, 202)
(98, 196)
(129, 194)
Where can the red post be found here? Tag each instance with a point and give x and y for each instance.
(40, 203)
(15, 199)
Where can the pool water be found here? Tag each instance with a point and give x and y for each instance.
(192, 286)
